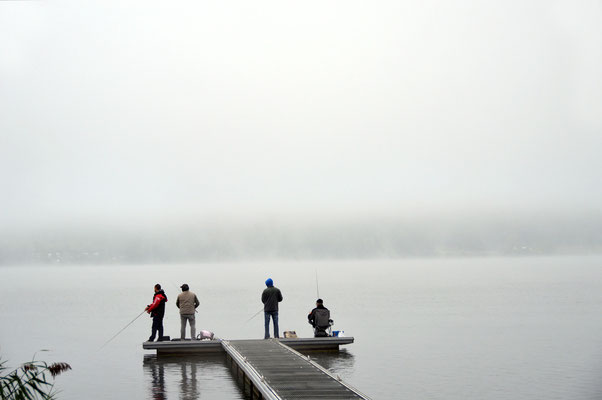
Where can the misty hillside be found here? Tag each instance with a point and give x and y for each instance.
(389, 238)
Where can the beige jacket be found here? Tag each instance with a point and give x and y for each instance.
(187, 302)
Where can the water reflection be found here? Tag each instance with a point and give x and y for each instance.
(189, 377)
(339, 362)
(188, 384)
(158, 380)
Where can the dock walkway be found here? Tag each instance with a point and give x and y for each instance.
(271, 370)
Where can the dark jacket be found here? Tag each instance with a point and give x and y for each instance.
(157, 309)
(270, 298)
(322, 319)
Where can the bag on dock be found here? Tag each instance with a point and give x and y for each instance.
(290, 334)
(205, 335)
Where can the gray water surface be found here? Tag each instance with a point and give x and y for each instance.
(486, 328)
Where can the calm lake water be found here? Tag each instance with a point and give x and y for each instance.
(486, 328)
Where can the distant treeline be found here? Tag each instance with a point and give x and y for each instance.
(377, 238)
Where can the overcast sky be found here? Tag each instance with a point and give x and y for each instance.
(157, 110)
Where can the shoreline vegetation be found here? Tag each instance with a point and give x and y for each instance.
(31, 380)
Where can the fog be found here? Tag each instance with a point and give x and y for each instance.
(147, 131)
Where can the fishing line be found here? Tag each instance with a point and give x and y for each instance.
(317, 286)
(254, 315)
(107, 342)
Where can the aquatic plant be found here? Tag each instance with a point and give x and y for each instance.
(30, 381)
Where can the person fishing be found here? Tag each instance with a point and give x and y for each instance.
(270, 298)
(319, 318)
(157, 312)
(187, 302)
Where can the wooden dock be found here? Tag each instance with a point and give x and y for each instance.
(268, 369)
(175, 347)
(272, 369)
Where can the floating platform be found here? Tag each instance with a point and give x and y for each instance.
(174, 347)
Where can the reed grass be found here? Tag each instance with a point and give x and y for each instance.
(31, 381)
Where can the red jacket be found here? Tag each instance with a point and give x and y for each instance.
(158, 305)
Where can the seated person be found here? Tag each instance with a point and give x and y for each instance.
(319, 318)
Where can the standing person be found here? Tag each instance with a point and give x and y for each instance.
(187, 302)
(157, 311)
(270, 298)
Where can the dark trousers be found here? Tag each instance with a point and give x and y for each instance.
(157, 327)
(274, 315)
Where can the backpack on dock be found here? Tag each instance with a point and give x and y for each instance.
(322, 322)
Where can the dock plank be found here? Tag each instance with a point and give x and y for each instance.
(287, 373)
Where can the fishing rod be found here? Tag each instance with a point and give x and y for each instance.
(254, 315)
(317, 287)
(107, 342)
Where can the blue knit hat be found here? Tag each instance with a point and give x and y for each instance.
(269, 282)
